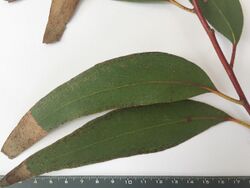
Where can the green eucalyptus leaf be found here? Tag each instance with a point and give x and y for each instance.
(122, 133)
(225, 16)
(134, 80)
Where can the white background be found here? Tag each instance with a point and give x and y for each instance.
(104, 29)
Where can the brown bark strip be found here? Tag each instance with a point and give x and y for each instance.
(60, 14)
(23, 136)
(20, 173)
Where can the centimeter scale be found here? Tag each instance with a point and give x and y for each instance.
(134, 182)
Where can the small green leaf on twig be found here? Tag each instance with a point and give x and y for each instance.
(225, 16)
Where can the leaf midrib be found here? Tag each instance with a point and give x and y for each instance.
(226, 21)
(124, 86)
(159, 125)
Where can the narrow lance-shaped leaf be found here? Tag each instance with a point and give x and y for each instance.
(122, 133)
(138, 79)
(60, 13)
(225, 16)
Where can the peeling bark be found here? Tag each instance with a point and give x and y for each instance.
(60, 14)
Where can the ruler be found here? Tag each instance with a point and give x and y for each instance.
(134, 182)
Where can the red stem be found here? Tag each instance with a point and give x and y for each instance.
(233, 55)
(221, 56)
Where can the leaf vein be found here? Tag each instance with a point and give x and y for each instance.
(120, 87)
(159, 125)
(225, 19)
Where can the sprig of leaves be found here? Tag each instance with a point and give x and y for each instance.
(152, 87)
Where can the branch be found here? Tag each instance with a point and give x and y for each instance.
(221, 56)
(234, 49)
(174, 2)
(224, 96)
(243, 123)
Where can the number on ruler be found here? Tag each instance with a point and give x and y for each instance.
(129, 182)
(236, 181)
(190, 181)
(66, 181)
(206, 181)
(221, 181)
(175, 181)
(143, 181)
(159, 181)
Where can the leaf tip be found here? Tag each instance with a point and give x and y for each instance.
(61, 12)
(3, 183)
(23, 136)
(53, 34)
(18, 174)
